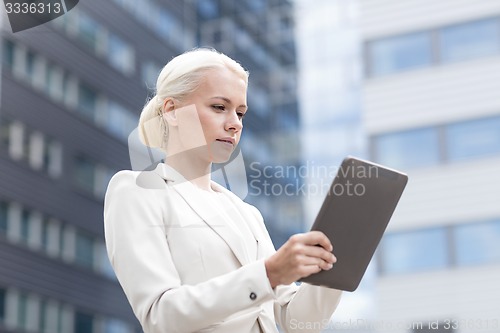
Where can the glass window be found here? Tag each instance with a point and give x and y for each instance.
(45, 234)
(54, 82)
(414, 148)
(85, 173)
(208, 8)
(477, 243)
(25, 225)
(4, 210)
(120, 55)
(121, 121)
(102, 177)
(22, 311)
(473, 138)
(87, 31)
(165, 24)
(30, 65)
(8, 53)
(149, 73)
(399, 53)
(83, 323)
(4, 132)
(52, 158)
(256, 5)
(84, 252)
(414, 251)
(43, 316)
(116, 326)
(2, 305)
(469, 40)
(87, 101)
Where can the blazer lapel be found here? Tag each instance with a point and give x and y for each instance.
(198, 203)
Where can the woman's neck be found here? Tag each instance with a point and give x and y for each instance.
(195, 170)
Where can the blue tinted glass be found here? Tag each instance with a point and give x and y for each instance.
(208, 8)
(477, 243)
(84, 250)
(2, 305)
(414, 251)
(470, 40)
(3, 216)
(415, 148)
(400, 53)
(473, 138)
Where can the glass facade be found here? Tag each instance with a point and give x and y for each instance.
(421, 147)
(84, 253)
(400, 53)
(469, 40)
(473, 139)
(3, 217)
(413, 148)
(2, 305)
(415, 251)
(79, 107)
(84, 323)
(440, 248)
(477, 243)
(442, 45)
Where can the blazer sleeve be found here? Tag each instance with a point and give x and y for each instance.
(140, 255)
(304, 308)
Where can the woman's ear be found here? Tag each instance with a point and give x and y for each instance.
(168, 110)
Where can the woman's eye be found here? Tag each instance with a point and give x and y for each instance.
(219, 107)
(241, 115)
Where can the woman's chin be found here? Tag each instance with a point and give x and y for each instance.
(220, 158)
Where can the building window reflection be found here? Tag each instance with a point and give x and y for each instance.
(399, 53)
(2, 305)
(87, 101)
(208, 9)
(84, 323)
(469, 40)
(462, 41)
(477, 243)
(419, 250)
(413, 148)
(434, 145)
(84, 253)
(3, 217)
(473, 138)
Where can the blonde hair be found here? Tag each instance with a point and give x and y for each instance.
(180, 77)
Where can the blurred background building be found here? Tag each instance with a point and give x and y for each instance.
(330, 80)
(71, 93)
(260, 34)
(431, 108)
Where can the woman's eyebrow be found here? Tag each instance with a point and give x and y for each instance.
(227, 100)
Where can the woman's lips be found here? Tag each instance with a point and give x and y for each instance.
(230, 141)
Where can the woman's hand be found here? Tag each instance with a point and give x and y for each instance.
(301, 256)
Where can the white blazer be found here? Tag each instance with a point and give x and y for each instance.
(183, 270)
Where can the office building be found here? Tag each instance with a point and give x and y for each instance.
(71, 92)
(260, 35)
(431, 108)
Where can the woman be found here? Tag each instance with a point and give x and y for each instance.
(189, 254)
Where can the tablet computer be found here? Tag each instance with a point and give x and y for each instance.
(354, 216)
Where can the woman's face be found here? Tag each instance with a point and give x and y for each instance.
(212, 116)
